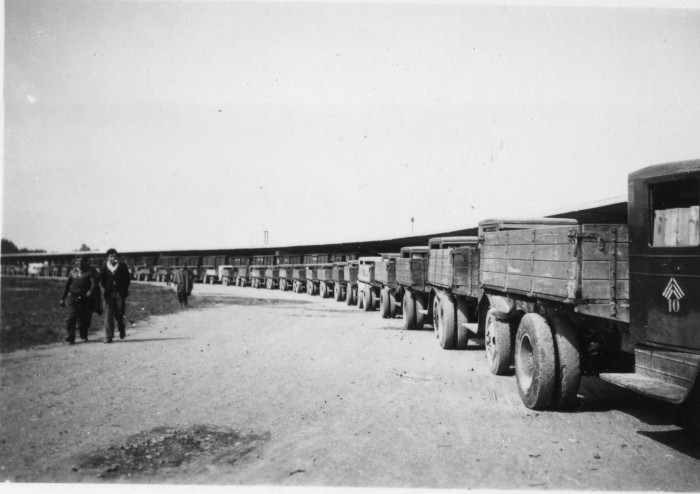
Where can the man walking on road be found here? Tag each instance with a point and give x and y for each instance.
(184, 282)
(81, 286)
(115, 280)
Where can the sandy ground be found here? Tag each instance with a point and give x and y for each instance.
(273, 388)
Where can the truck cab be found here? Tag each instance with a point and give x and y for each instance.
(227, 274)
(663, 213)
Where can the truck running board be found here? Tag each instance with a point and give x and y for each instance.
(648, 386)
(664, 374)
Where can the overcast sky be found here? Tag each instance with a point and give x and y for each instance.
(181, 125)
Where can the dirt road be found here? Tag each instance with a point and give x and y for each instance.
(284, 389)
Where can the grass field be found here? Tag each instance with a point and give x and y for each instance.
(31, 314)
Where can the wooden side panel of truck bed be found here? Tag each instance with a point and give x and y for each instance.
(257, 271)
(456, 269)
(299, 273)
(587, 266)
(311, 273)
(385, 273)
(350, 273)
(339, 273)
(412, 272)
(325, 273)
(286, 273)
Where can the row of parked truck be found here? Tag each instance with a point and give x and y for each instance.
(550, 298)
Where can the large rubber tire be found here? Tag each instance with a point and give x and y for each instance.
(350, 295)
(462, 316)
(448, 321)
(437, 324)
(323, 289)
(535, 366)
(337, 292)
(360, 298)
(409, 310)
(367, 300)
(568, 361)
(393, 306)
(497, 340)
(283, 285)
(309, 288)
(384, 304)
(421, 304)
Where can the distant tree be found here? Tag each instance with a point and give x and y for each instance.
(84, 248)
(8, 247)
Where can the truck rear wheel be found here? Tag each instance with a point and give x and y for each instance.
(360, 298)
(393, 306)
(535, 366)
(448, 330)
(462, 318)
(568, 361)
(421, 305)
(497, 340)
(409, 310)
(384, 303)
(436, 316)
(367, 301)
(337, 292)
(323, 289)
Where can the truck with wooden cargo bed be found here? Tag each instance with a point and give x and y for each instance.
(376, 282)
(412, 282)
(617, 301)
(286, 272)
(344, 279)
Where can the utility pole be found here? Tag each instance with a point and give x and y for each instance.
(265, 237)
(412, 221)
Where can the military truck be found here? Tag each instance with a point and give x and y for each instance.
(299, 278)
(350, 271)
(344, 275)
(226, 274)
(272, 277)
(617, 301)
(143, 273)
(376, 280)
(326, 284)
(161, 273)
(412, 285)
(453, 280)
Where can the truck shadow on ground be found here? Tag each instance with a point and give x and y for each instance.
(209, 300)
(679, 440)
(142, 340)
(598, 396)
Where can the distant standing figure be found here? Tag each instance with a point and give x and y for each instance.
(115, 280)
(184, 282)
(81, 286)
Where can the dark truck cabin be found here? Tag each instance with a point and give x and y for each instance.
(663, 209)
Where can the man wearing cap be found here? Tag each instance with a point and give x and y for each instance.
(115, 280)
(80, 285)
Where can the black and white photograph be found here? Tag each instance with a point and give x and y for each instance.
(340, 246)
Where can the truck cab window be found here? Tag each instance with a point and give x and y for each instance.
(675, 210)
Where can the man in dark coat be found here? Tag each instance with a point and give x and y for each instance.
(115, 280)
(184, 281)
(80, 285)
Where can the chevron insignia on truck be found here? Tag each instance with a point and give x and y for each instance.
(673, 293)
